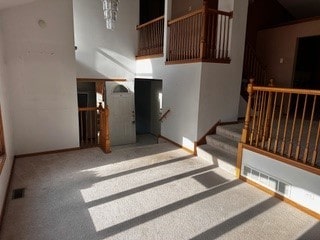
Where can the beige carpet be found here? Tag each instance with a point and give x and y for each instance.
(142, 192)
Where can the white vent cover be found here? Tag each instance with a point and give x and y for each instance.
(271, 182)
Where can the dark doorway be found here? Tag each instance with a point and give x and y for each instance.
(150, 10)
(307, 69)
(307, 73)
(148, 104)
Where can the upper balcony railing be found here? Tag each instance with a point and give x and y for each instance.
(151, 36)
(200, 36)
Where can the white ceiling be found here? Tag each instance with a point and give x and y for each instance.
(302, 8)
(12, 3)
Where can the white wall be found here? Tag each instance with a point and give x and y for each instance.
(6, 119)
(41, 69)
(180, 89)
(103, 53)
(305, 186)
(220, 83)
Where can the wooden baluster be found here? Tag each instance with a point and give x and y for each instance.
(228, 33)
(266, 129)
(198, 46)
(293, 127)
(285, 127)
(81, 129)
(95, 128)
(301, 128)
(244, 135)
(261, 108)
(90, 127)
(306, 150)
(275, 147)
(253, 128)
(203, 43)
(272, 121)
(316, 146)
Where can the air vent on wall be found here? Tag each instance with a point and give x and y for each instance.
(267, 180)
(18, 193)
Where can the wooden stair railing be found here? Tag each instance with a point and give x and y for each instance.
(200, 36)
(253, 67)
(284, 122)
(88, 127)
(94, 127)
(151, 36)
(164, 115)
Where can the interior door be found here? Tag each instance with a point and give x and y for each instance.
(121, 115)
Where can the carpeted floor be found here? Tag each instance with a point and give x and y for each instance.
(142, 192)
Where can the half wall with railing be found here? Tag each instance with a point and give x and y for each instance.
(285, 122)
(202, 35)
(151, 36)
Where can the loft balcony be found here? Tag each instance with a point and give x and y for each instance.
(200, 36)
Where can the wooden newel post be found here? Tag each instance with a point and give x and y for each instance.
(203, 37)
(104, 138)
(245, 129)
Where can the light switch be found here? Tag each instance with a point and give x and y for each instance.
(281, 60)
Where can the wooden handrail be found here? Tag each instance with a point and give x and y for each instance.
(230, 14)
(286, 90)
(170, 22)
(164, 115)
(191, 14)
(149, 22)
(87, 109)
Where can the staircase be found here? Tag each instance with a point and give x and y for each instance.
(221, 148)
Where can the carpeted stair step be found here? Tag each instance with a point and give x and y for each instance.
(225, 144)
(216, 156)
(232, 131)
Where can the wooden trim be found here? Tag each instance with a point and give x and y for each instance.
(6, 193)
(149, 56)
(282, 198)
(101, 79)
(170, 22)
(197, 60)
(176, 144)
(282, 159)
(150, 22)
(87, 109)
(239, 160)
(212, 130)
(287, 90)
(304, 20)
(208, 60)
(230, 14)
(46, 152)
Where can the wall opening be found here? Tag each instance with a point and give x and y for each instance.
(148, 104)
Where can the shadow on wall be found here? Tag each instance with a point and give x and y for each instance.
(114, 60)
(87, 71)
